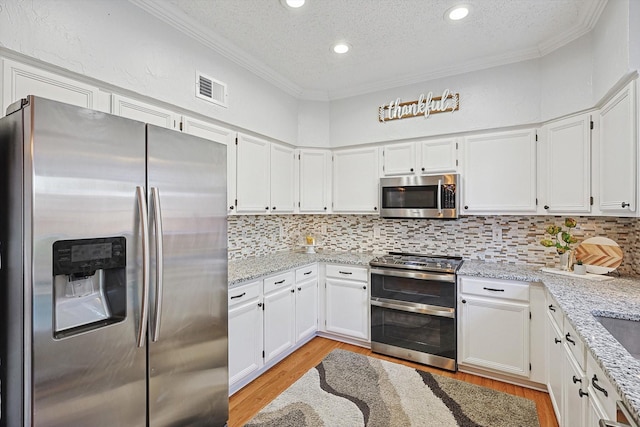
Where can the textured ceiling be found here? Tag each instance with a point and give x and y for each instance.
(393, 42)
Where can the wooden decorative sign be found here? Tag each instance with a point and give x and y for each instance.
(424, 106)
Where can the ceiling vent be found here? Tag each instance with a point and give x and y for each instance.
(211, 90)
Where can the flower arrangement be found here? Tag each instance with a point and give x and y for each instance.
(563, 239)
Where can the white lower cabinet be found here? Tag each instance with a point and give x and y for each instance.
(555, 354)
(268, 319)
(494, 325)
(245, 330)
(279, 315)
(347, 301)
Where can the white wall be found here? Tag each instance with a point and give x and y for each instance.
(634, 35)
(610, 47)
(314, 124)
(118, 43)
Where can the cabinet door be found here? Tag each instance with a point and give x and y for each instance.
(399, 159)
(21, 80)
(617, 153)
(282, 178)
(355, 180)
(143, 112)
(495, 335)
(438, 156)
(279, 322)
(223, 136)
(568, 165)
(252, 171)
(315, 180)
(575, 396)
(347, 308)
(245, 340)
(306, 308)
(555, 355)
(500, 173)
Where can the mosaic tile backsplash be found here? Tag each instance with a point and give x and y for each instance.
(473, 237)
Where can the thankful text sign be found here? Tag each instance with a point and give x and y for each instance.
(424, 106)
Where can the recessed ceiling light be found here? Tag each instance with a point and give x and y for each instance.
(341, 48)
(457, 13)
(294, 4)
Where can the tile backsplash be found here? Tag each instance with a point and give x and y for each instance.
(514, 239)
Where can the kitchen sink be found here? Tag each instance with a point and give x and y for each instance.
(627, 332)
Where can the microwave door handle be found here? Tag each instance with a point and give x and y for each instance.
(440, 196)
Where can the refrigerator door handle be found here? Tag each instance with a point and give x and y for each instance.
(157, 214)
(144, 307)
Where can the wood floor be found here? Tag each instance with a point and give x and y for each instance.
(247, 402)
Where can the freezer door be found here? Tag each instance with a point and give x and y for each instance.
(188, 378)
(85, 165)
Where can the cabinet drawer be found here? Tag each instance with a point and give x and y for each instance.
(348, 272)
(575, 344)
(244, 293)
(307, 272)
(503, 289)
(278, 281)
(554, 309)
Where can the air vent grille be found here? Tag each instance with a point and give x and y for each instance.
(211, 90)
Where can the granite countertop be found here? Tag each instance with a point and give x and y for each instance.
(577, 297)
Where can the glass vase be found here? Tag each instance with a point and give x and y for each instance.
(566, 261)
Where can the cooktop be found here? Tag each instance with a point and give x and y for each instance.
(424, 262)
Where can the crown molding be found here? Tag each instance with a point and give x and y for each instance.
(188, 26)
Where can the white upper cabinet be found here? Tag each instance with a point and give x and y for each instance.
(315, 180)
(617, 154)
(223, 136)
(399, 159)
(500, 173)
(265, 176)
(355, 180)
(282, 178)
(438, 156)
(21, 80)
(253, 174)
(566, 165)
(143, 112)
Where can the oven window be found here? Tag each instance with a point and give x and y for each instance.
(420, 332)
(414, 197)
(429, 292)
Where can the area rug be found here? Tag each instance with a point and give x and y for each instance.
(349, 389)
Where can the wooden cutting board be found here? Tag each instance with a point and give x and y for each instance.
(600, 254)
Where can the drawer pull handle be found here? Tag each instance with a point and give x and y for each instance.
(568, 338)
(345, 272)
(308, 272)
(551, 307)
(594, 380)
(493, 289)
(577, 380)
(238, 296)
(557, 341)
(582, 393)
(279, 282)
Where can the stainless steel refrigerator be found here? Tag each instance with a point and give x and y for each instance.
(113, 271)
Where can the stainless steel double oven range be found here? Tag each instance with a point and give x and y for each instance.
(413, 314)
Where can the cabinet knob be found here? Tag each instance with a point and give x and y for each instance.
(293, 290)
(273, 208)
(325, 208)
(375, 208)
(546, 206)
(364, 287)
(557, 341)
(231, 207)
(464, 301)
(259, 304)
(466, 207)
(576, 380)
(267, 208)
(411, 170)
(582, 393)
(299, 289)
(422, 169)
(625, 204)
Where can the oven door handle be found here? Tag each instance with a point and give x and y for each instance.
(414, 308)
(440, 196)
(421, 275)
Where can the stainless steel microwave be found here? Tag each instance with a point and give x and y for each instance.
(433, 196)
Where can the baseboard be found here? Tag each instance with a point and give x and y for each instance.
(523, 382)
(345, 339)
